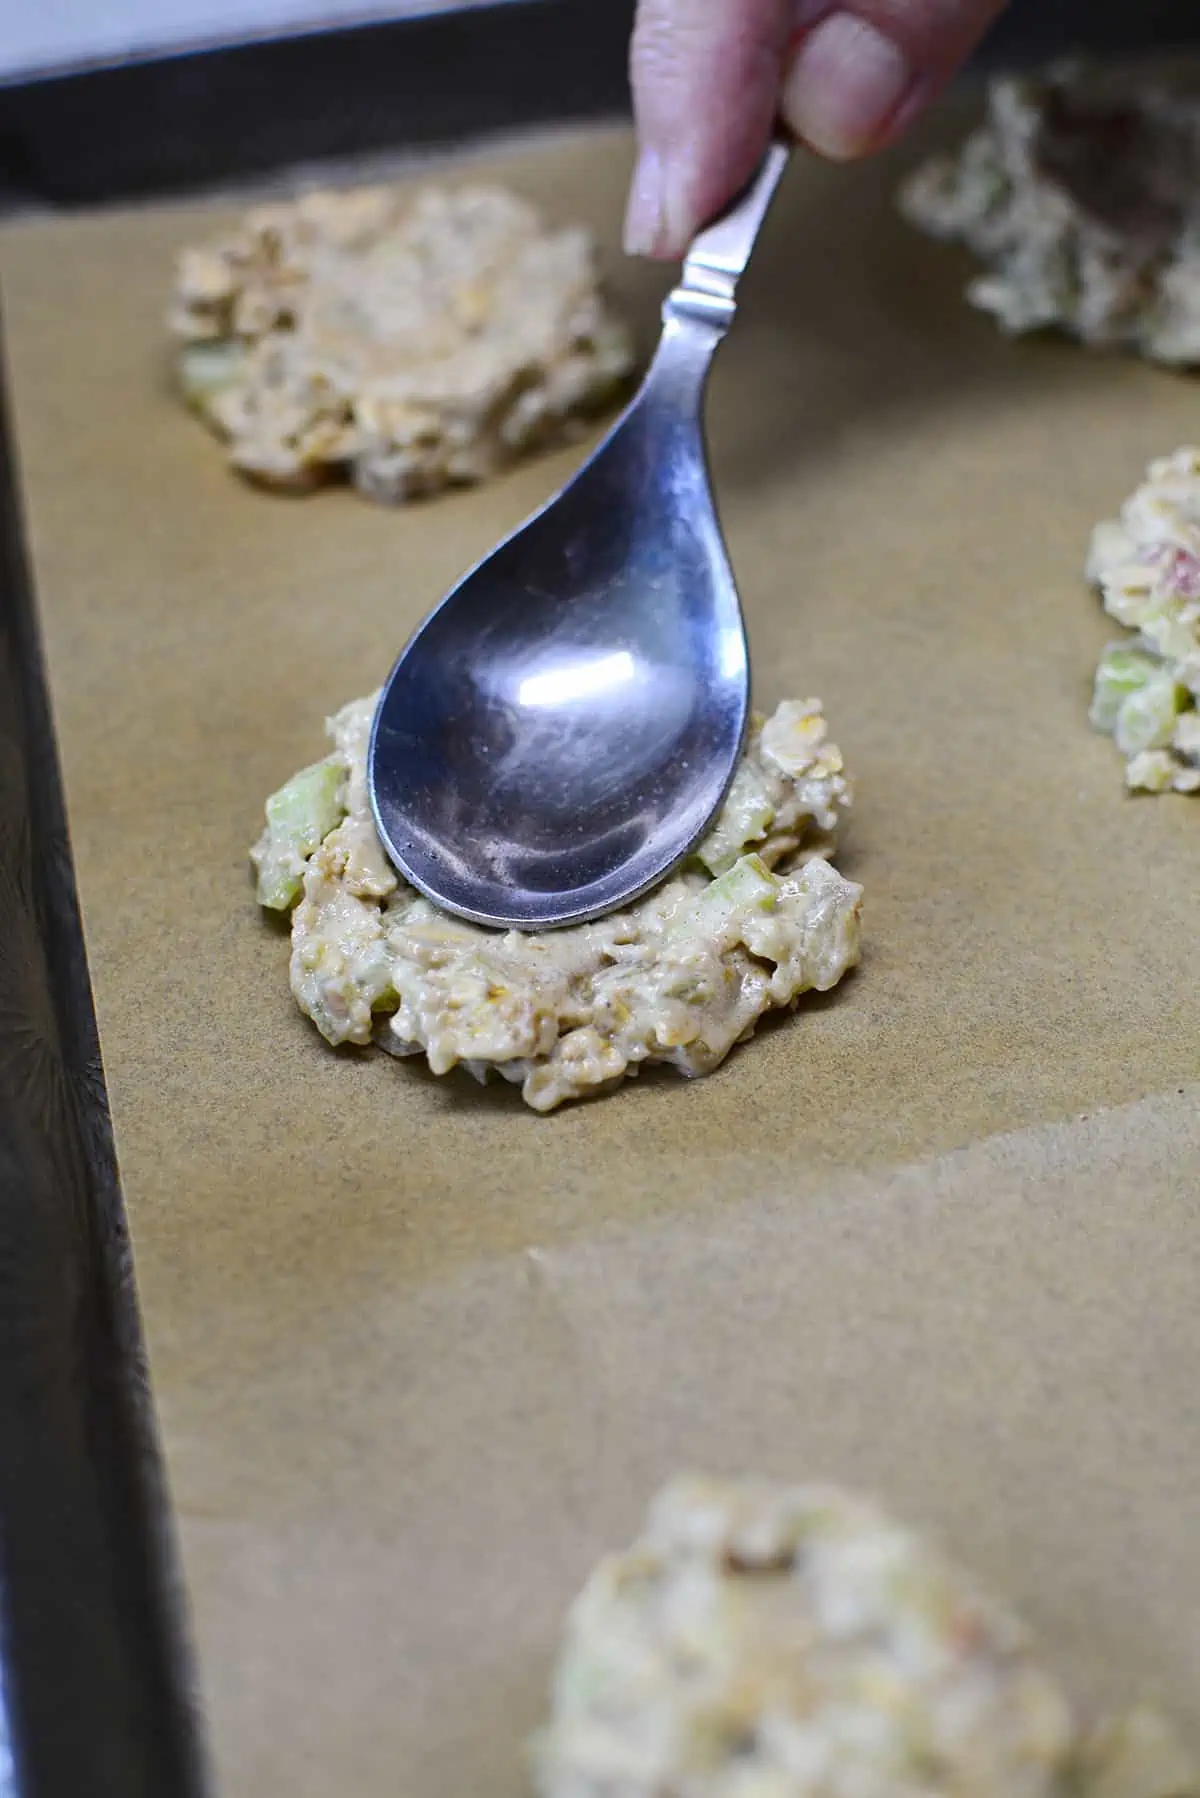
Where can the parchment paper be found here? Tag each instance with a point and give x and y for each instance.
(420, 1355)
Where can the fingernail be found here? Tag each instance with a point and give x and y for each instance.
(846, 84)
(660, 218)
(645, 214)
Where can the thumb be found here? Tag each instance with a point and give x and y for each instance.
(859, 72)
(706, 82)
(710, 77)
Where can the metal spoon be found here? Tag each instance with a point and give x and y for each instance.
(563, 728)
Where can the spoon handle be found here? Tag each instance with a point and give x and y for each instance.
(720, 252)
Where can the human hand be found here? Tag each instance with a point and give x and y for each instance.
(711, 77)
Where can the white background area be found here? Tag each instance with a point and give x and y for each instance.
(43, 35)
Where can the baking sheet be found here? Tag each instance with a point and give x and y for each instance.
(421, 1355)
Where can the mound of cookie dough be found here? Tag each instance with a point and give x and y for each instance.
(403, 340)
(760, 1641)
(1081, 195)
(1146, 565)
(755, 919)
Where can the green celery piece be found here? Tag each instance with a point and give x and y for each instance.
(205, 368)
(1147, 716)
(1168, 635)
(299, 818)
(745, 818)
(748, 885)
(1122, 671)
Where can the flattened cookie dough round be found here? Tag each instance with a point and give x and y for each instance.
(760, 1641)
(404, 340)
(755, 919)
(1080, 194)
(1146, 566)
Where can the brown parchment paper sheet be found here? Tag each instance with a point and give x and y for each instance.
(421, 1355)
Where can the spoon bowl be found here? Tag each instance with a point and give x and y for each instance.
(563, 728)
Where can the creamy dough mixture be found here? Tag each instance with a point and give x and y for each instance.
(1081, 195)
(760, 1641)
(1146, 565)
(405, 340)
(754, 920)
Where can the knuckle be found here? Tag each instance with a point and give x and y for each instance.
(668, 39)
(710, 48)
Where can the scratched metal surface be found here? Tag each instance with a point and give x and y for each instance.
(185, 122)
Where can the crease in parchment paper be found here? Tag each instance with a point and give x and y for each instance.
(536, 1400)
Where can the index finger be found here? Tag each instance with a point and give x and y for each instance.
(706, 78)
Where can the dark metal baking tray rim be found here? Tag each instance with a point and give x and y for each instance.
(96, 1686)
(191, 120)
